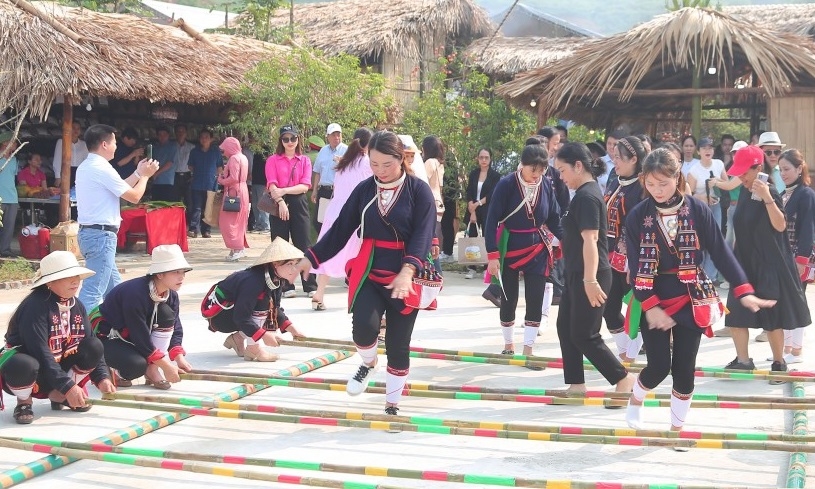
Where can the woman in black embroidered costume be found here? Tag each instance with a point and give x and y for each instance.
(763, 249)
(587, 273)
(665, 236)
(246, 304)
(394, 213)
(49, 350)
(799, 206)
(516, 241)
(622, 194)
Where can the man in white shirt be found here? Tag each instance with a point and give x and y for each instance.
(98, 190)
(79, 151)
(182, 170)
(323, 176)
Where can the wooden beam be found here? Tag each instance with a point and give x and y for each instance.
(693, 92)
(67, 149)
(48, 19)
(192, 32)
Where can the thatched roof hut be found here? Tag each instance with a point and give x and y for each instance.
(369, 29)
(652, 68)
(792, 18)
(504, 57)
(56, 51)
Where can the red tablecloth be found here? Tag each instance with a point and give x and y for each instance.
(162, 226)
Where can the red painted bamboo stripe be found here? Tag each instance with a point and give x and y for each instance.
(489, 433)
(571, 430)
(436, 356)
(430, 475)
(694, 435)
(290, 479)
(172, 464)
(556, 364)
(595, 394)
(801, 374)
(41, 448)
(266, 409)
(698, 373)
(231, 459)
(608, 485)
(631, 441)
(201, 411)
(418, 349)
(101, 447)
(470, 388)
(730, 405)
(538, 399)
(321, 421)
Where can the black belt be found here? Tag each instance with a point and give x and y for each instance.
(101, 227)
(325, 186)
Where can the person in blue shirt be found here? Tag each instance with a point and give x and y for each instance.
(164, 180)
(204, 163)
(8, 193)
(128, 154)
(325, 163)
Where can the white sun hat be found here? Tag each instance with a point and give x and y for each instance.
(58, 265)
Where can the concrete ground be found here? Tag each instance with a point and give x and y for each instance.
(464, 321)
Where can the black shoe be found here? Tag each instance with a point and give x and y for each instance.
(57, 406)
(778, 367)
(206, 235)
(737, 365)
(392, 411)
(496, 301)
(507, 352)
(192, 234)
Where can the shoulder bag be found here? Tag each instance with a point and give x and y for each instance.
(267, 203)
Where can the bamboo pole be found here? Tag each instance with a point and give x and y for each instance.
(474, 357)
(192, 32)
(67, 151)
(48, 19)
(425, 475)
(797, 471)
(429, 425)
(528, 391)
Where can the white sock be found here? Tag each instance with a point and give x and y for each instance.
(530, 333)
(394, 385)
(794, 338)
(634, 346)
(368, 354)
(22, 393)
(507, 331)
(622, 340)
(679, 408)
(548, 293)
(161, 339)
(633, 413)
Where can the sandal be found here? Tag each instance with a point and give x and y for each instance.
(57, 406)
(317, 305)
(160, 385)
(23, 414)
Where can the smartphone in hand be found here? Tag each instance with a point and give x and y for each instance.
(148, 151)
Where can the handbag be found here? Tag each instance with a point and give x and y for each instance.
(427, 285)
(232, 203)
(472, 250)
(268, 204)
(212, 210)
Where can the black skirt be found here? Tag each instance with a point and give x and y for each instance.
(766, 257)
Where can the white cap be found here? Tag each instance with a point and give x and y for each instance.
(332, 128)
(738, 145)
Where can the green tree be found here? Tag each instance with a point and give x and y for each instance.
(468, 117)
(307, 89)
(674, 5)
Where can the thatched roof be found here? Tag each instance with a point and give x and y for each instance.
(370, 28)
(504, 57)
(654, 64)
(114, 55)
(792, 18)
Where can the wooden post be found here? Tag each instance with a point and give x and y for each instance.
(696, 104)
(67, 150)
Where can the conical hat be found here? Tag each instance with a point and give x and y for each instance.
(279, 250)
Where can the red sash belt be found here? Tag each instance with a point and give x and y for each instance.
(359, 267)
(530, 251)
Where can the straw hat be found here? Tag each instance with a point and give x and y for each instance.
(279, 250)
(58, 265)
(166, 258)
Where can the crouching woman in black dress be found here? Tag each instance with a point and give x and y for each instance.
(246, 304)
(49, 351)
(666, 235)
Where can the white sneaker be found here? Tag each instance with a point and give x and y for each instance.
(470, 274)
(238, 255)
(790, 358)
(724, 286)
(359, 382)
(289, 294)
(762, 337)
(231, 256)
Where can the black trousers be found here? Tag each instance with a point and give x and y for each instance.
(22, 370)
(578, 329)
(448, 231)
(123, 356)
(374, 300)
(679, 362)
(533, 293)
(182, 190)
(225, 322)
(323, 192)
(615, 322)
(297, 230)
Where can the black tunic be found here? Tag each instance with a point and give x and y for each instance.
(800, 211)
(587, 211)
(766, 257)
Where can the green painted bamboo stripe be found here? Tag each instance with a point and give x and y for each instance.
(796, 473)
(493, 481)
(532, 392)
(426, 421)
(291, 464)
(119, 458)
(359, 485)
(468, 396)
(752, 436)
(442, 430)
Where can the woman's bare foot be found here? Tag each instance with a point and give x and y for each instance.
(576, 389)
(527, 351)
(625, 385)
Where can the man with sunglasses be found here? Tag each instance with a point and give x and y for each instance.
(771, 145)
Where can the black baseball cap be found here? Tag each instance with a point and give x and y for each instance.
(289, 128)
